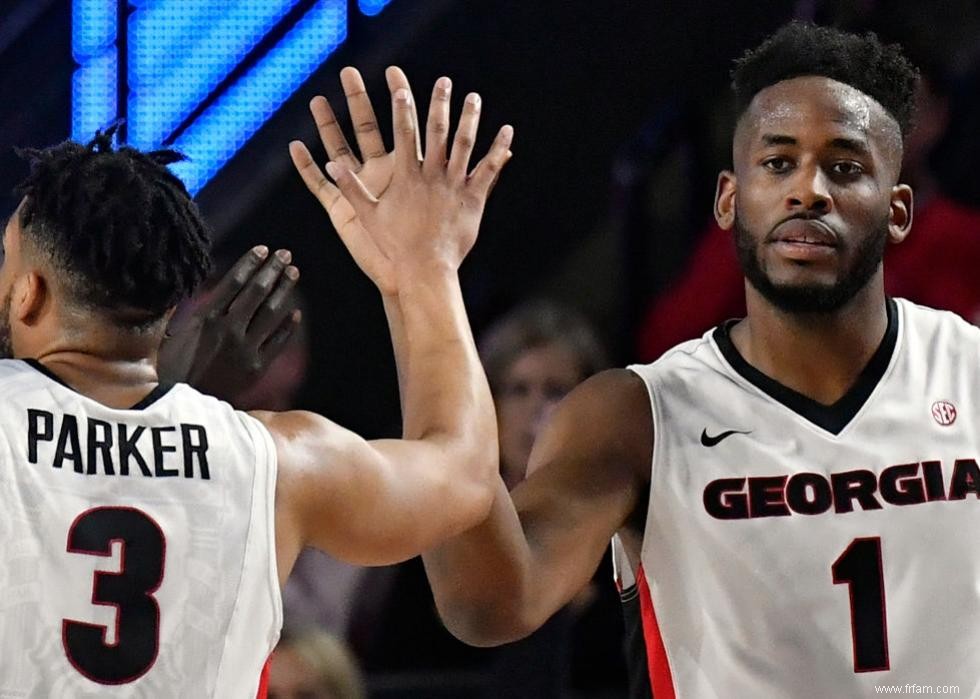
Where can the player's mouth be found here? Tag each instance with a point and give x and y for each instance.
(804, 239)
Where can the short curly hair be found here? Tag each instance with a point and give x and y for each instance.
(801, 48)
(120, 226)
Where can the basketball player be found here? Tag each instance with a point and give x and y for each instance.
(147, 528)
(796, 491)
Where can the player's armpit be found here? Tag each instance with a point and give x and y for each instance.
(370, 502)
(588, 471)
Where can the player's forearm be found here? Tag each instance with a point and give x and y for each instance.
(396, 329)
(482, 580)
(445, 391)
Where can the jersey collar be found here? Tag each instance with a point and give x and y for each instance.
(149, 399)
(832, 418)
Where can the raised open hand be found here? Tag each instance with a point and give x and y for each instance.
(398, 212)
(238, 329)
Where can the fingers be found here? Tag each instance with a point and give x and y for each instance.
(236, 278)
(331, 135)
(366, 130)
(313, 177)
(274, 308)
(396, 78)
(258, 289)
(488, 169)
(351, 187)
(437, 126)
(403, 124)
(459, 159)
(274, 345)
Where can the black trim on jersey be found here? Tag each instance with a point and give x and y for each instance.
(149, 399)
(635, 646)
(832, 418)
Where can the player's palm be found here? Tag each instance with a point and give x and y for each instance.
(396, 211)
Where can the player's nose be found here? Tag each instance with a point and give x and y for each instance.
(809, 191)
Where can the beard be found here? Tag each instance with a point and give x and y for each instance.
(6, 346)
(812, 298)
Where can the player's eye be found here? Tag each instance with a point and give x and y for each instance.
(848, 168)
(777, 164)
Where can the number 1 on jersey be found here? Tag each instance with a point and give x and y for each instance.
(860, 567)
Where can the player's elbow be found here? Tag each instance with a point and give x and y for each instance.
(472, 486)
(497, 607)
(486, 623)
(466, 501)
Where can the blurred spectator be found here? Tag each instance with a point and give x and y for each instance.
(533, 357)
(313, 665)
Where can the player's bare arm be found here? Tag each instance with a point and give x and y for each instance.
(588, 473)
(231, 339)
(377, 502)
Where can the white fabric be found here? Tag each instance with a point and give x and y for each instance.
(219, 602)
(748, 607)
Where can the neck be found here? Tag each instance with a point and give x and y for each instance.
(117, 369)
(819, 355)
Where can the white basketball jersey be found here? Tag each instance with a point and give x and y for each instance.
(137, 545)
(797, 550)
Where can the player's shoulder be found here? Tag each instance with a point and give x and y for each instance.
(14, 368)
(916, 313)
(610, 410)
(609, 391)
(932, 326)
(186, 401)
(697, 354)
(18, 375)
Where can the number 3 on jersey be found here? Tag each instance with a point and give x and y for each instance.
(860, 567)
(130, 590)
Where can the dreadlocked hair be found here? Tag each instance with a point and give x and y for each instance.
(120, 226)
(801, 48)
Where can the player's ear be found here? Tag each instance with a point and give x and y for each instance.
(725, 200)
(900, 213)
(30, 295)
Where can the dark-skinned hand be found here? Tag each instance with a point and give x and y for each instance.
(229, 340)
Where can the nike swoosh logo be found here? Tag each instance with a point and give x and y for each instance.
(710, 441)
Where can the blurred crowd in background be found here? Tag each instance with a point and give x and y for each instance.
(648, 268)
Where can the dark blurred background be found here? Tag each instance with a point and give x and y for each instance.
(597, 92)
(622, 122)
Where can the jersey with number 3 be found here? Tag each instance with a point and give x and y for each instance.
(137, 545)
(795, 549)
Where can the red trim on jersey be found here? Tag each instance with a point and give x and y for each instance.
(661, 680)
(264, 680)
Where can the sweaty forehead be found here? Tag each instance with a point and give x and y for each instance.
(813, 105)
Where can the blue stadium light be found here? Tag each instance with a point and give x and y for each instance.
(93, 28)
(372, 7)
(168, 81)
(94, 91)
(94, 84)
(228, 123)
(179, 53)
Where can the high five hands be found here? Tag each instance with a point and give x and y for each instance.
(401, 212)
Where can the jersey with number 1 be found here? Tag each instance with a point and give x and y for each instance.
(794, 549)
(137, 545)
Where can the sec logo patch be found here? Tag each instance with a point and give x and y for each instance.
(944, 412)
